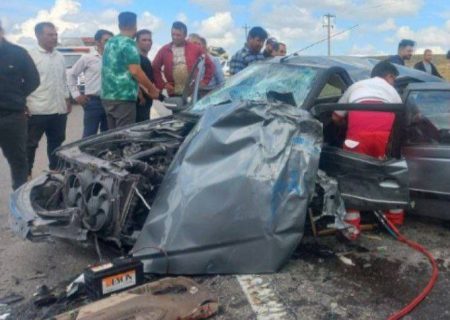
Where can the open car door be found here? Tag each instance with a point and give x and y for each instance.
(365, 182)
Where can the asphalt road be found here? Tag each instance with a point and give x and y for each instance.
(377, 276)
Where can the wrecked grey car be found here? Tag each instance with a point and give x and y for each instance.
(228, 177)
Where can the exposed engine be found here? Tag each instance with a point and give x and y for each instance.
(108, 182)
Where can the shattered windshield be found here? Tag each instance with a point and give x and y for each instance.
(256, 81)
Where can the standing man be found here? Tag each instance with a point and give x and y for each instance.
(18, 78)
(251, 51)
(368, 132)
(405, 52)
(144, 42)
(270, 48)
(281, 50)
(218, 77)
(426, 65)
(91, 66)
(176, 60)
(121, 74)
(49, 104)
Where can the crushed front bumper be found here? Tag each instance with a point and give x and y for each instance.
(35, 225)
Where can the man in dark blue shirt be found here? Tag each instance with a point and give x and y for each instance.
(251, 51)
(18, 78)
(405, 52)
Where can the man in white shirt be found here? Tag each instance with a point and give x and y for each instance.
(49, 104)
(368, 132)
(91, 66)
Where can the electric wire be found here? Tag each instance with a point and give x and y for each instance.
(325, 39)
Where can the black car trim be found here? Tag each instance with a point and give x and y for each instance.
(431, 195)
(347, 195)
(319, 109)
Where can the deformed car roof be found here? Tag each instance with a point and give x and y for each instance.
(359, 68)
(429, 86)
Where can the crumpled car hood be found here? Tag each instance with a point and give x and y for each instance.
(235, 197)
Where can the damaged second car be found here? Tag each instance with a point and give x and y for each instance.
(225, 184)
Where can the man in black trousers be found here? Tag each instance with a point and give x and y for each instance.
(18, 78)
(144, 43)
(49, 104)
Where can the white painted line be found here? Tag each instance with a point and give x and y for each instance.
(262, 298)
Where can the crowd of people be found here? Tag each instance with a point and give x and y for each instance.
(120, 82)
(405, 53)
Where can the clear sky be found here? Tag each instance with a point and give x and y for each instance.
(380, 24)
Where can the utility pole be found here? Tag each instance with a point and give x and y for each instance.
(328, 23)
(246, 27)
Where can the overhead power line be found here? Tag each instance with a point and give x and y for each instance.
(326, 39)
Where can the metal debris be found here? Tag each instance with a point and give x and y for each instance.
(262, 298)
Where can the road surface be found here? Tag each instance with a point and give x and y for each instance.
(376, 277)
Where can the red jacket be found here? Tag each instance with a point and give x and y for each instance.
(164, 58)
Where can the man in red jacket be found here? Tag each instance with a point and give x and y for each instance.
(176, 60)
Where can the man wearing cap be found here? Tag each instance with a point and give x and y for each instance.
(18, 78)
(90, 65)
(122, 75)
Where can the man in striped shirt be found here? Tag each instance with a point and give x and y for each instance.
(251, 51)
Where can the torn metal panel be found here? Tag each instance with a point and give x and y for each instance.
(366, 183)
(331, 201)
(235, 198)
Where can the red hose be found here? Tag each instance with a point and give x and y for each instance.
(415, 302)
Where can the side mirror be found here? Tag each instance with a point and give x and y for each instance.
(174, 104)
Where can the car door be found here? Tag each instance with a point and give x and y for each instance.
(365, 183)
(427, 148)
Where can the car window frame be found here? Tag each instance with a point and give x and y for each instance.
(410, 114)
